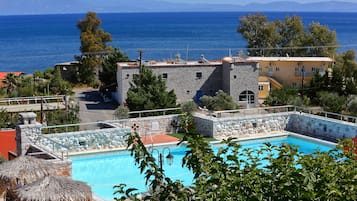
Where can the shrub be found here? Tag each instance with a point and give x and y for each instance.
(352, 106)
(332, 102)
(189, 106)
(121, 112)
(221, 101)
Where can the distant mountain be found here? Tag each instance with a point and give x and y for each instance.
(18, 7)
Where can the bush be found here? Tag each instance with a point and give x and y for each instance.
(221, 101)
(332, 102)
(298, 101)
(189, 106)
(121, 112)
(352, 106)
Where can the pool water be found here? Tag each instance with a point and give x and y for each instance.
(103, 171)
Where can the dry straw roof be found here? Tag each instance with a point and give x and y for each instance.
(55, 188)
(25, 169)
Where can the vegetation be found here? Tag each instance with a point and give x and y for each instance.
(48, 82)
(189, 107)
(2, 159)
(289, 37)
(6, 120)
(234, 173)
(148, 91)
(332, 102)
(122, 112)
(93, 47)
(221, 101)
(108, 75)
(61, 117)
(352, 105)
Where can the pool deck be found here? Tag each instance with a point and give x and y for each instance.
(158, 139)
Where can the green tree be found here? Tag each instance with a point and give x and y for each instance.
(259, 33)
(108, 74)
(11, 83)
(345, 73)
(278, 38)
(282, 96)
(332, 102)
(5, 120)
(322, 39)
(352, 105)
(148, 91)
(93, 46)
(189, 106)
(58, 85)
(222, 101)
(292, 34)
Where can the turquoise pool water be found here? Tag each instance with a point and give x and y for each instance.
(103, 171)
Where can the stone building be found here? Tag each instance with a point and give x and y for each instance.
(192, 79)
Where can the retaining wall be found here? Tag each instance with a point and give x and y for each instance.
(306, 124)
(241, 125)
(85, 140)
(320, 127)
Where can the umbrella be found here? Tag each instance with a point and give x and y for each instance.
(23, 170)
(54, 188)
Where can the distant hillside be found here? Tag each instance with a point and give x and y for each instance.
(18, 7)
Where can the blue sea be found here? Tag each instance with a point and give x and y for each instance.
(36, 42)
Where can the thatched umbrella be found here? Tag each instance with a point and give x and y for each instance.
(54, 188)
(22, 170)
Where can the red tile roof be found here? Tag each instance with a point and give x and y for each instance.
(4, 74)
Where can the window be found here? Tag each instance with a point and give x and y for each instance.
(247, 96)
(164, 75)
(277, 69)
(260, 87)
(293, 84)
(199, 75)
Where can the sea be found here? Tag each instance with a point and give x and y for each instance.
(36, 42)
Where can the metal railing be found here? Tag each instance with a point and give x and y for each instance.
(253, 111)
(150, 113)
(57, 149)
(280, 109)
(32, 100)
(329, 115)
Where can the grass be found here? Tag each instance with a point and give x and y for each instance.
(180, 136)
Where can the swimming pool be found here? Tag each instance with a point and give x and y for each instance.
(103, 171)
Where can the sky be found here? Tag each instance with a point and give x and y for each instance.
(243, 2)
(19, 7)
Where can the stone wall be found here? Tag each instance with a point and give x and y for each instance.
(85, 140)
(320, 127)
(241, 125)
(226, 127)
(109, 138)
(306, 124)
(26, 134)
(151, 125)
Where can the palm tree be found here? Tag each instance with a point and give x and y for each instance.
(10, 82)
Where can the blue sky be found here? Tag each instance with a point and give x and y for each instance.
(243, 2)
(19, 7)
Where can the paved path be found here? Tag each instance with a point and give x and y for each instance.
(91, 106)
